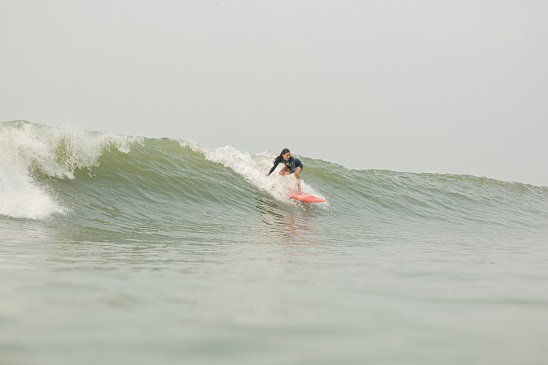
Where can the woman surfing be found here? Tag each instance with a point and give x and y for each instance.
(292, 165)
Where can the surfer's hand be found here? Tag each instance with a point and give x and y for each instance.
(267, 175)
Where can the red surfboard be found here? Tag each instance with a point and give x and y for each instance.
(305, 197)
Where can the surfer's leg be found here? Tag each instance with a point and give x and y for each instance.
(284, 171)
(297, 173)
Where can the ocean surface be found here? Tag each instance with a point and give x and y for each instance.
(131, 250)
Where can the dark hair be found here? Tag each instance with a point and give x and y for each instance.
(280, 157)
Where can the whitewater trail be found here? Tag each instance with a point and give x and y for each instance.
(253, 169)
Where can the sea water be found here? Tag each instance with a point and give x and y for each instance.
(130, 250)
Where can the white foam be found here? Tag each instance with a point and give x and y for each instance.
(25, 147)
(253, 169)
(20, 197)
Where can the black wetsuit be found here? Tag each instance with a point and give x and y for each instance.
(291, 163)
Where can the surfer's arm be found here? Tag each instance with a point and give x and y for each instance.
(273, 168)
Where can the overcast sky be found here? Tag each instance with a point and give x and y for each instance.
(423, 86)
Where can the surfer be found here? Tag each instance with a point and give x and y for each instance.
(292, 166)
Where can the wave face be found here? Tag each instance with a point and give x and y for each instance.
(172, 189)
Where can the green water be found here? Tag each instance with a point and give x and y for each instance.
(129, 250)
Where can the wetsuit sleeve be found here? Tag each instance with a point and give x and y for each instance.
(276, 163)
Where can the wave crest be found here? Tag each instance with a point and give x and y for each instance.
(29, 149)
